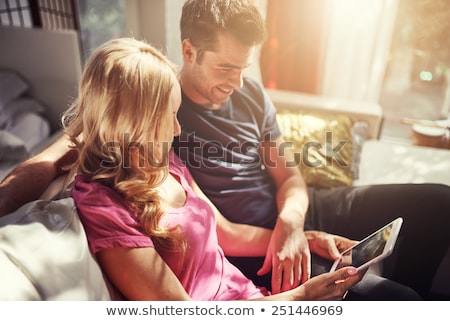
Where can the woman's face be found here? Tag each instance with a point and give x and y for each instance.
(175, 102)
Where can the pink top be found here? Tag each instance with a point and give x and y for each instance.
(205, 273)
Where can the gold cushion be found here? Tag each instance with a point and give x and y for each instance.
(323, 146)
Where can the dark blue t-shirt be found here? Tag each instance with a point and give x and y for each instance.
(220, 148)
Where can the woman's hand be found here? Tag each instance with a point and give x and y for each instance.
(327, 245)
(329, 286)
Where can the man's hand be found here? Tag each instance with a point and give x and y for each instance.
(327, 245)
(288, 256)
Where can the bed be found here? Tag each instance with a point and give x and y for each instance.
(39, 75)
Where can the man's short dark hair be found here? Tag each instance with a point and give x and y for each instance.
(202, 20)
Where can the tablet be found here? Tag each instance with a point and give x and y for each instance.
(374, 248)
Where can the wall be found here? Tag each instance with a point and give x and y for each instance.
(156, 21)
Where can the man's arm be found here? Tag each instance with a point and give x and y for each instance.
(30, 178)
(288, 254)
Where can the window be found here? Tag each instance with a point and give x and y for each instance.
(100, 20)
(44, 14)
(392, 52)
(416, 83)
(97, 21)
(15, 13)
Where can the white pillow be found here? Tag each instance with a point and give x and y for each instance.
(12, 148)
(19, 106)
(44, 255)
(12, 86)
(32, 128)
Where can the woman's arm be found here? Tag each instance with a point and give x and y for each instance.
(237, 239)
(141, 274)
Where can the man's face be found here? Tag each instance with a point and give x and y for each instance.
(211, 80)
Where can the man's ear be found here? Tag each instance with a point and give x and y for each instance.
(188, 51)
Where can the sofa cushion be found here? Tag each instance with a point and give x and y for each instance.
(324, 146)
(44, 255)
(12, 86)
(12, 148)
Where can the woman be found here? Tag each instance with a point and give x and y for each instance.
(149, 226)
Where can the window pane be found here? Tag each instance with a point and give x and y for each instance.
(26, 16)
(12, 4)
(416, 82)
(4, 18)
(100, 21)
(15, 17)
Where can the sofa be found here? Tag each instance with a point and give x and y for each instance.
(43, 250)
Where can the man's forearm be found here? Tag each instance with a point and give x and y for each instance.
(19, 187)
(30, 178)
(293, 201)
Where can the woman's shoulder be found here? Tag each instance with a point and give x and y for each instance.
(88, 192)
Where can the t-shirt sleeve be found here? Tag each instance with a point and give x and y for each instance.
(108, 223)
(270, 129)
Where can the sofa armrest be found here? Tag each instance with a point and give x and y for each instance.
(369, 112)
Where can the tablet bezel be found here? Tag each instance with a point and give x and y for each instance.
(387, 250)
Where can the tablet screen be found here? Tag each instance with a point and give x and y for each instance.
(366, 250)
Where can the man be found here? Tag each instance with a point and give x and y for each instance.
(229, 136)
(233, 147)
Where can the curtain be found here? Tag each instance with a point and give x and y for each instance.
(334, 48)
(291, 58)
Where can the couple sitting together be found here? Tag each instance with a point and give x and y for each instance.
(249, 230)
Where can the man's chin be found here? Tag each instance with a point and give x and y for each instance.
(221, 101)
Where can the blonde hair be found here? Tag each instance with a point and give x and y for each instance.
(122, 126)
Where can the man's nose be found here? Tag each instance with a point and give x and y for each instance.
(237, 79)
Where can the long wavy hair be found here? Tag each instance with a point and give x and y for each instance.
(121, 124)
